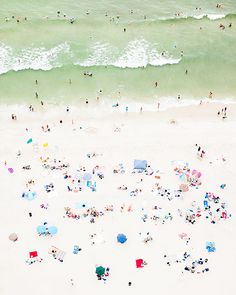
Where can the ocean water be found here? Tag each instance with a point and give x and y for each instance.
(115, 50)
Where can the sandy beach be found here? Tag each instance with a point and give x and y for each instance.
(85, 163)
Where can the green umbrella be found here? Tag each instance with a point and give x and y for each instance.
(100, 270)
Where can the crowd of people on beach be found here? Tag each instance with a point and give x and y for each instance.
(90, 177)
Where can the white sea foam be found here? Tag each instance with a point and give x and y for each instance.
(31, 58)
(138, 53)
(215, 16)
(209, 16)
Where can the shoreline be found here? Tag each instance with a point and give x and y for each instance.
(108, 104)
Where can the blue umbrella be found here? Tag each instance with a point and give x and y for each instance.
(52, 230)
(81, 205)
(30, 196)
(121, 238)
(41, 229)
(87, 176)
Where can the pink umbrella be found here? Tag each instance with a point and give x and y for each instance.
(184, 187)
(183, 235)
(199, 174)
(10, 170)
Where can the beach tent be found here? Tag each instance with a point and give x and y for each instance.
(13, 237)
(140, 164)
(139, 263)
(121, 238)
(100, 270)
(33, 254)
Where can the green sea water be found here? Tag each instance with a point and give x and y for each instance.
(125, 47)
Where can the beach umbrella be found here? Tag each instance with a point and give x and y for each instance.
(10, 170)
(196, 173)
(52, 230)
(30, 196)
(199, 174)
(184, 187)
(81, 205)
(100, 270)
(121, 238)
(29, 140)
(183, 176)
(87, 176)
(41, 229)
(13, 237)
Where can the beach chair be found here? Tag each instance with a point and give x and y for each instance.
(57, 253)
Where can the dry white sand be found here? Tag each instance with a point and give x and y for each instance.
(147, 136)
